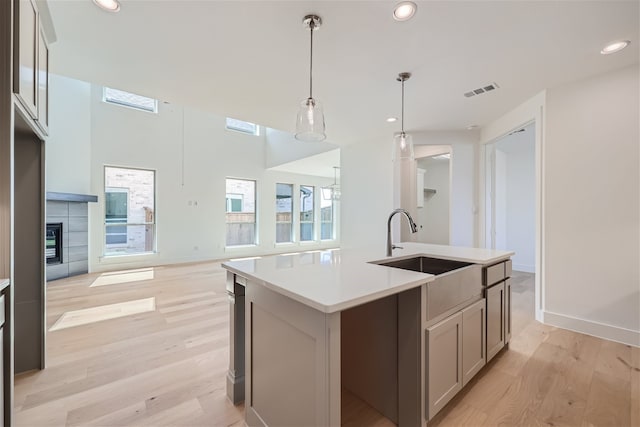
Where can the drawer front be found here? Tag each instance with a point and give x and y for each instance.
(508, 265)
(494, 274)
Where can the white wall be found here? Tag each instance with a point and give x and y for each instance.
(68, 147)
(520, 190)
(501, 201)
(433, 218)
(282, 148)
(191, 160)
(591, 209)
(587, 202)
(367, 193)
(463, 187)
(371, 188)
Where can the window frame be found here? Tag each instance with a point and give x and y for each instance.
(255, 214)
(291, 223)
(313, 221)
(333, 215)
(106, 99)
(229, 201)
(256, 131)
(153, 223)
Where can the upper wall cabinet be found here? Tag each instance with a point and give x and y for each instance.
(43, 83)
(26, 49)
(31, 63)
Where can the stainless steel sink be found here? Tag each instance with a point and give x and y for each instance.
(456, 285)
(435, 266)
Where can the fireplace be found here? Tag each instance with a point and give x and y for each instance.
(53, 247)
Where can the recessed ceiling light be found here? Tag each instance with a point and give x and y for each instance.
(404, 11)
(392, 119)
(108, 5)
(472, 127)
(615, 47)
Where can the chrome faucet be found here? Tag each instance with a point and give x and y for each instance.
(414, 229)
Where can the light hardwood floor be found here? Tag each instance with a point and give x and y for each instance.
(165, 364)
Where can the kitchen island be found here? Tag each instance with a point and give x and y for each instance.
(308, 325)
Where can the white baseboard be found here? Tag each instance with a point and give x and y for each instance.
(524, 268)
(600, 330)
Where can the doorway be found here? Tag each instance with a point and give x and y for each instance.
(511, 204)
(433, 185)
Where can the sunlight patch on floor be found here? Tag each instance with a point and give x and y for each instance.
(118, 277)
(104, 312)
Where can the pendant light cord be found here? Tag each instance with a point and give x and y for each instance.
(311, 27)
(402, 117)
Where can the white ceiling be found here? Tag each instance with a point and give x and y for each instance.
(249, 59)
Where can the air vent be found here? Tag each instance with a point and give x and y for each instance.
(481, 90)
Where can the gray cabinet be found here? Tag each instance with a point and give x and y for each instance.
(495, 319)
(473, 340)
(43, 83)
(2, 385)
(26, 59)
(444, 362)
(292, 361)
(31, 64)
(507, 311)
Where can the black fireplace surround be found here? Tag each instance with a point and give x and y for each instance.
(53, 247)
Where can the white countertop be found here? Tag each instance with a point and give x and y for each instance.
(335, 280)
(4, 283)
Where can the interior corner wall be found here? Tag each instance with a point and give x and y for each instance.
(68, 147)
(592, 206)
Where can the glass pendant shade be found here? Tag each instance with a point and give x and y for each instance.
(336, 193)
(310, 123)
(402, 142)
(402, 147)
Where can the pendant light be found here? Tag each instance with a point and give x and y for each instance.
(310, 123)
(335, 187)
(402, 143)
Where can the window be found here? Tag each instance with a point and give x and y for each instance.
(242, 126)
(131, 100)
(129, 215)
(234, 202)
(284, 213)
(306, 213)
(326, 215)
(241, 212)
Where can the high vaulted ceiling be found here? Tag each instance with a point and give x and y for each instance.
(249, 59)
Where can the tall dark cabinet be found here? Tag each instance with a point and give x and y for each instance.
(24, 113)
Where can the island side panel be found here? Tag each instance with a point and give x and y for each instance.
(292, 360)
(369, 345)
(235, 375)
(411, 357)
